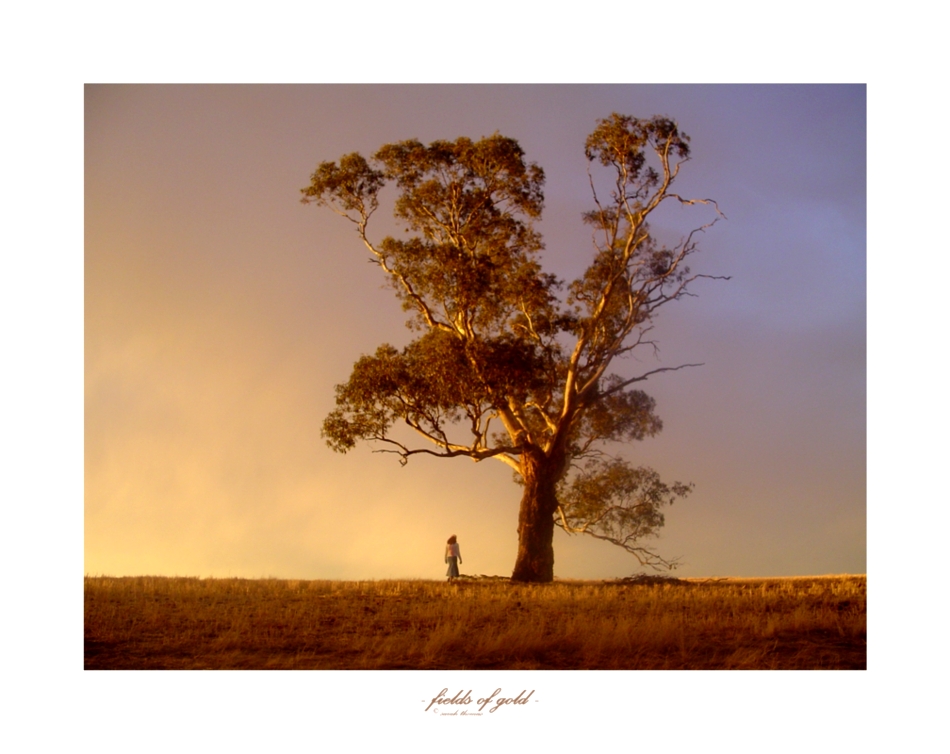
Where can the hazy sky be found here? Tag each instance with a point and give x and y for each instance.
(220, 313)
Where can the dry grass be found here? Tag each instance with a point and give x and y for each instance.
(151, 622)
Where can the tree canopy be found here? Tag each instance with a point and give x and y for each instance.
(509, 362)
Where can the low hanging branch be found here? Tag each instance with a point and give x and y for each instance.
(613, 501)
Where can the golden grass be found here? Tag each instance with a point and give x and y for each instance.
(189, 623)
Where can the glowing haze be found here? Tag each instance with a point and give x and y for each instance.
(220, 313)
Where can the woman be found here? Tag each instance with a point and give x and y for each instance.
(453, 557)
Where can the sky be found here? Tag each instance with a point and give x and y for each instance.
(220, 313)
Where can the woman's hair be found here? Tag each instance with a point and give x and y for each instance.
(451, 540)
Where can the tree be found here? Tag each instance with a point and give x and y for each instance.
(500, 342)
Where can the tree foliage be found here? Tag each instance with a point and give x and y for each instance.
(509, 363)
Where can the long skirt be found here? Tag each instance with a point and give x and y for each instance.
(453, 571)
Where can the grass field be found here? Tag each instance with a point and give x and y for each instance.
(189, 623)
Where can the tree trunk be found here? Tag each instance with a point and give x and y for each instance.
(535, 561)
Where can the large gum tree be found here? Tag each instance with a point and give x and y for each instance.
(508, 362)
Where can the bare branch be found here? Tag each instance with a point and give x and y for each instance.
(642, 377)
(698, 201)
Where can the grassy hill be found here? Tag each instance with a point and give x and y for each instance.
(476, 623)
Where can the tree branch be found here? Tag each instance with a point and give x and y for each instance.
(644, 376)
